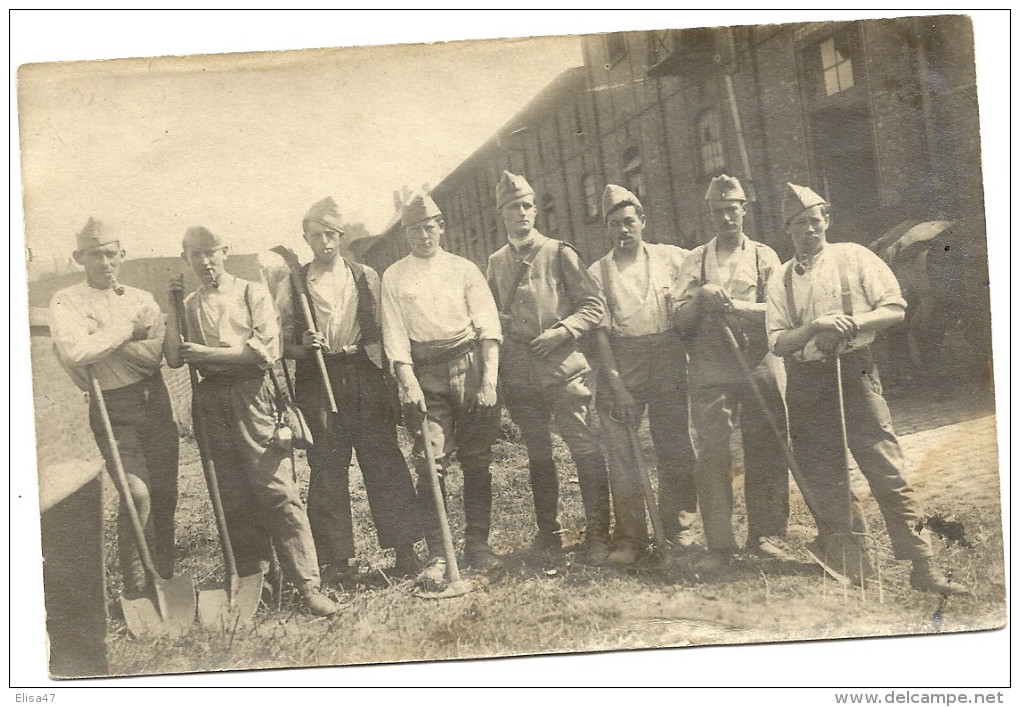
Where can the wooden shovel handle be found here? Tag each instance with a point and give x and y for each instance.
(205, 454)
(306, 311)
(121, 478)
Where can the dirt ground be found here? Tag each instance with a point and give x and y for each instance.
(557, 603)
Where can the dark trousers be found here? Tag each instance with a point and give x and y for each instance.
(813, 402)
(147, 439)
(365, 423)
(654, 371)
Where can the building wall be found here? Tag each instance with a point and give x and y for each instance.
(901, 142)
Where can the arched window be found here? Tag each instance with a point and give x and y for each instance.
(710, 142)
(591, 196)
(632, 174)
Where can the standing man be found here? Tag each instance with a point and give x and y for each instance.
(722, 284)
(343, 297)
(118, 331)
(643, 363)
(825, 306)
(547, 303)
(442, 334)
(236, 342)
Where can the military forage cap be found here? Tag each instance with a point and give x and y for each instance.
(725, 188)
(94, 234)
(797, 199)
(616, 196)
(201, 238)
(418, 209)
(323, 213)
(510, 188)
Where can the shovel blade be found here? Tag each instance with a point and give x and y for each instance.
(217, 611)
(143, 615)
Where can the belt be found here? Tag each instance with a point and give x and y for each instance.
(344, 354)
(238, 374)
(452, 354)
(862, 353)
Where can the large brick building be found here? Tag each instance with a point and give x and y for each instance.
(879, 115)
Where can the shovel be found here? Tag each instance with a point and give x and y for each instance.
(791, 461)
(659, 539)
(234, 605)
(455, 586)
(173, 611)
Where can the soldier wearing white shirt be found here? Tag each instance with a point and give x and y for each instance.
(643, 363)
(827, 304)
(234, 342)
(344, 303)
(723, 284)
(442, 333)
(119, 331)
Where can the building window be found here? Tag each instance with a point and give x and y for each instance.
(632, 175)
(591, 196)
(661, 43)
(552, 224)
(616, 47)
(837, 63)
(710, 143)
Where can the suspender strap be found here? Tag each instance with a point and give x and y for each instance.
(607, 285)
(760, 297)
(844, 286)
(522, 270)
(704, 257)
(791, 306)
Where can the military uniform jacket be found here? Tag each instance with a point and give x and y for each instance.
(553, 289)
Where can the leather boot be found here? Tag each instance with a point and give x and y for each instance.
(477, 502)
(594, 481)
(545, 489)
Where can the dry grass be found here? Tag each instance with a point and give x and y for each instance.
(556, 603)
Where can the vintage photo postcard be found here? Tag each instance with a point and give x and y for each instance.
(653, 331)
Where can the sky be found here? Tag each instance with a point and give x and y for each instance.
(245, 143)
(234, 173)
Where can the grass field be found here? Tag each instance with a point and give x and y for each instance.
(556, 603)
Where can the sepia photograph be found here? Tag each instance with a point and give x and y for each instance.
(638, 348)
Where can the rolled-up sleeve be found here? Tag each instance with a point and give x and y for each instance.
(595, 273)
(265, 335)
(589, 307)
(777, 312)
(481, 305)
(147, 352)
(396, 341)
(881, 288)
(688, 279)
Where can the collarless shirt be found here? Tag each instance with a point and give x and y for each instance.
(633, 310)
(817, 292)
(92, 327)
(225, 317)
(435, 299)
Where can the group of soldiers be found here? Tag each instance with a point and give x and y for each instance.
(436, 344)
